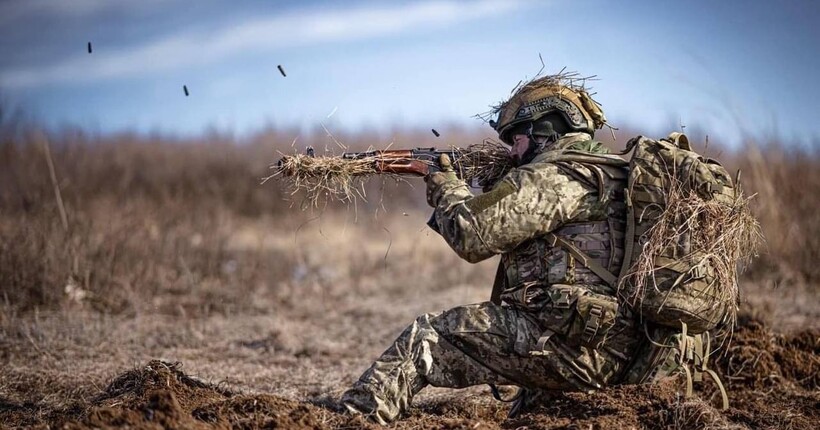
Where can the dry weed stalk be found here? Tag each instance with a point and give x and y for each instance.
(695, 413)
(722, 235)
(342, 179)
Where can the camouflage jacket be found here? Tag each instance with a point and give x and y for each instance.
(578, 202)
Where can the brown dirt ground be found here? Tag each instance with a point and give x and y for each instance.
(772, 379)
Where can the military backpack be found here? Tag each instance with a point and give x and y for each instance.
(668, 276)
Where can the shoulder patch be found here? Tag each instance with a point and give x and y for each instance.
(484, 201)
(592, 146)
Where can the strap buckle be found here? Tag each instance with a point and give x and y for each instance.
(596, 313)
(563, 301)
(701, 271)
(541, 346)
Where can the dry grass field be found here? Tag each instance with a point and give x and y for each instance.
(181, 293)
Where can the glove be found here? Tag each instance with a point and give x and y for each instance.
(438, 182)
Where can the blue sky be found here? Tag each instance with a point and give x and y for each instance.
(728, 67)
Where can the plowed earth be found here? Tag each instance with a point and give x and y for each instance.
(772, 382)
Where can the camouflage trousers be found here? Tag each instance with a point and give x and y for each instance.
(488, 344)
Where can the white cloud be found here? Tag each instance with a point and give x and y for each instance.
(11, 10)
(265, 34)
(22, 9)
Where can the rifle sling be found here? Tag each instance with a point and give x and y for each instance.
(498, 284)
(603, 273)
(589, 263)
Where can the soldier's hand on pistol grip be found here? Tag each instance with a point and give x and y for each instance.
(438, 182)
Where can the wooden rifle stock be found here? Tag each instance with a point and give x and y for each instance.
(415, 162)
(401, 162)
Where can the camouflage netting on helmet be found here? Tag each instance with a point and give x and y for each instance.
(564, 92)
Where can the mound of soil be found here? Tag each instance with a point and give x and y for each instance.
(759, 359)
(772, 382)
(161, 396)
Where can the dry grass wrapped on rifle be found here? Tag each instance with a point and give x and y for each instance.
(342, 179)
(331, 177)
(484, 163)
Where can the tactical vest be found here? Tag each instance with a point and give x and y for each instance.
(531, 269)
(560, 277)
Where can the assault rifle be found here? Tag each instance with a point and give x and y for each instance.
(412, 162)
(477, 164)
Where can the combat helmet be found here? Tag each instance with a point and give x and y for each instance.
(554, 96)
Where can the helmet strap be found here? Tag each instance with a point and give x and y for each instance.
(535, 146)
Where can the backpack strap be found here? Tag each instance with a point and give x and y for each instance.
(498, 284)
(695, 350)
(629, 238)
(587, 157)
(630, 145)
(680, 140)
(707, 341)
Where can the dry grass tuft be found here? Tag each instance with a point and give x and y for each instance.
(722, 235)
(484, 163)
(570, 79)
(335, 178)
(697, 414)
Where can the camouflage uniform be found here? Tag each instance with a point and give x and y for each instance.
(559, 326)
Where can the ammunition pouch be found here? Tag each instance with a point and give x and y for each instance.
(596, 317)
(581, 316)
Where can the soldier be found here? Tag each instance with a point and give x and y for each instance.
(553, 322)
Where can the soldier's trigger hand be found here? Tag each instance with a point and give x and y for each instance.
(436, 181)
(444, 162)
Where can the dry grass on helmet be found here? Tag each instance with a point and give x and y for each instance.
(324, 178)
(726, 233)
(570, 79)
